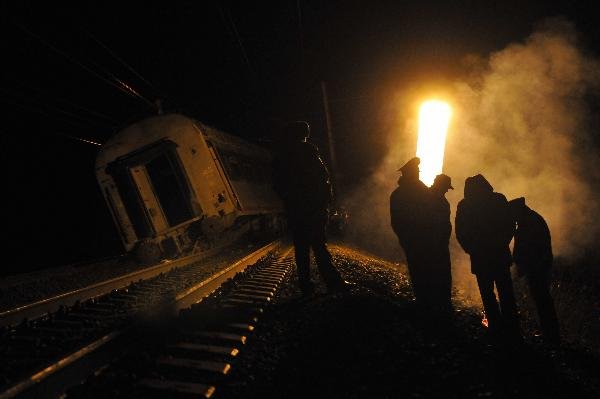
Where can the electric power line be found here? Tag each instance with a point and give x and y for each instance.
(125, 89)
(62, 100)
(80, 139)
(300, 30)
(129, 67)
(26, 99)
(230, 24)
(42, 112)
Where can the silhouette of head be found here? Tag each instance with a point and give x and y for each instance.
(411, 168)
(477, 187)
(442, 184)
(517, 207)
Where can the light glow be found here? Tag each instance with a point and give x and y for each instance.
(434, 117)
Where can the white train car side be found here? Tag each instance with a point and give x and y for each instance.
(175, 186)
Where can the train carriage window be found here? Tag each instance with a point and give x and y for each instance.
(170, 188)
(236, 170)
(240, 167)
(232, 165)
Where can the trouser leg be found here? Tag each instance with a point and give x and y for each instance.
(430, 284)
(538, 286)
(328, 272)
(508, 304)
(490, 304)
(442, 279)
(445, 285)
(302, 254)
(415, 274)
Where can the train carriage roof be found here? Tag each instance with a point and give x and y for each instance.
(231, 143)
(150, 130)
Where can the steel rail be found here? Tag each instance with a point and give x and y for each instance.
(182, 300)
(37, 309)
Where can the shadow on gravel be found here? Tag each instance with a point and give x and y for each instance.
(374, 343)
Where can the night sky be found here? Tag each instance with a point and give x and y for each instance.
(241, 68)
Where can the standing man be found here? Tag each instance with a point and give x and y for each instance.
(533, 256)
(409, 218)
(441, 228)
(301, 180)
(484, 228)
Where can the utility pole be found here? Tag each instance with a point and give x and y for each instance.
(332, 159)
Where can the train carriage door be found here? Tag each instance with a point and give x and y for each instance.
(148, 197)
(171, 187)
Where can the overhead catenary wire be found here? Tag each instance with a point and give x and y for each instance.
(119, 59)
(119, 81)
(43, 93)
(43, 112)
(230, 24)
(39, 110)
(27, 99)
(81, 139)
(300, 30)
(125, 89)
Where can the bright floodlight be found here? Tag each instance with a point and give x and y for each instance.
(434, 117)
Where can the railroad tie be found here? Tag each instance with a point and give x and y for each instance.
(217, 335)
(256, 286)
(195, 364)
(254, 291)
(251, 297)
(213, 349)
(241, 326)
(192, 388)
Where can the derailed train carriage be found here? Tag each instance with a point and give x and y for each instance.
(175, 186)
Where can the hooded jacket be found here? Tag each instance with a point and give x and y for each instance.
(484, 226)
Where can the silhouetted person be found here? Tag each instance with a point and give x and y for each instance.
(532, 254)
(301, 180)
(484, 228)
(441, 228)
(409, 218)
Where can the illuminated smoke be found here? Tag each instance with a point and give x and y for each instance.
(520, 119)
(522, 125)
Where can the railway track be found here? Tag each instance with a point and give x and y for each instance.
(42, 356)
(53, 304)
(194, 354)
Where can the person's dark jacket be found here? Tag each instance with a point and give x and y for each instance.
(441, 228)
(532, 252)
(484, 226)
(301, 180)
(408, 212)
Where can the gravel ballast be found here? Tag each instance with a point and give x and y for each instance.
(26, 288)
(374, 342)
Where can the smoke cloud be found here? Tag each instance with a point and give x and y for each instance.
(520, 118)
